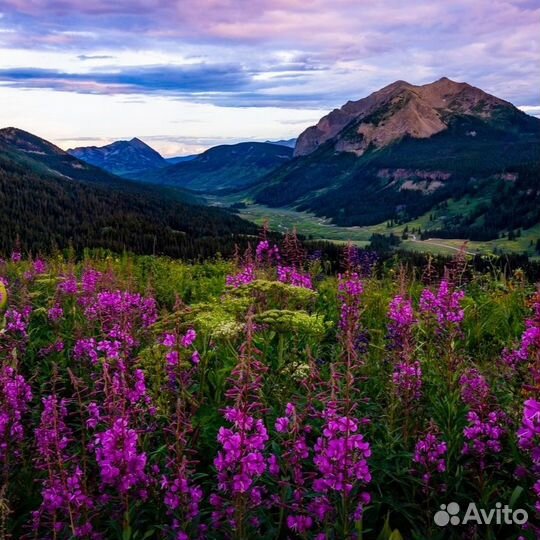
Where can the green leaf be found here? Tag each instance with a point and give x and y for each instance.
(516, 494)
(386, 531)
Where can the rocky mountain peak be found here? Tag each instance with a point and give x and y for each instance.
(397, 110)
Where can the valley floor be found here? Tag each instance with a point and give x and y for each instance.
(283, 219)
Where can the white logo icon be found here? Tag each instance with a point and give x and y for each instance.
(447, 514)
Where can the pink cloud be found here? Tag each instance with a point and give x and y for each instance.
(358, 45)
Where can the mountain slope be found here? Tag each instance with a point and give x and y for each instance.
(43, 207)
(222, 167)
(405, 149)
(45, 157)
(120, 157)
(290, 143)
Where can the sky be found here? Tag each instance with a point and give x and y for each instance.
(184, 75)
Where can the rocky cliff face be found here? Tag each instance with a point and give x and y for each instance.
(397, 110)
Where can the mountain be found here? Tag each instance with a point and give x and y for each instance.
(120, 157)
(50, 199)
(407, 150)
(179, 159)
(290, 143)
(222, 167)
(44, 157)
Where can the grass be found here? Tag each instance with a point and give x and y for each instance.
(320, 228)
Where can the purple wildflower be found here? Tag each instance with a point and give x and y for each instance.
(445, 306)
(121, 464)
(407, 379)
(430, 457)
(15, 395)
(55, 313)
(290, 275)
(244, 277)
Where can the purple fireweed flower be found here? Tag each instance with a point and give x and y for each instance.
(244, 277)
(189, 338)
(53, 434)
(15, 395)
(120, 310)
(241, 460)
(290, 410)
(444, 307)
(530, 429)
(17, 321)
(430, 457)
(94, 415)
(350, 290)
(282, 424)
(55, 313)
(484, 436)
(86, 348)
(39, 266)
(401, 314)
(475, 391)
(62, 490)
(294, 468)
(110, 349)
(169, 340)
(299, 524)
(68, 286)
(180, 491)
(265, 253)
(290, 275)
(16, 256)
(89, 280)
(525, 358)
(341, 457)
(172, 358)
(320, 508)
(529, 442)
(407, 379)
(121, 465)
(359, 260)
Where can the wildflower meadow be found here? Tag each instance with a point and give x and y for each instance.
(266, 397)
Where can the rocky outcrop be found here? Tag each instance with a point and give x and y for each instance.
(397, 110)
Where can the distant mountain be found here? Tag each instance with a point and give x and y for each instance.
(290, 143)
(222, 167)
(180, 159)
(43, 157)
(120, 157)
(406, 150)
(49, 199)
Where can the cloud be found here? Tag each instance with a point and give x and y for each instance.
(94, 57)
(294, 54)
(222, 84)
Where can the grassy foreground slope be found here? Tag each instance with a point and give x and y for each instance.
(143, 397)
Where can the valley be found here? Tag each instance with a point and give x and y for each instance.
(318, 228)
(423, 168)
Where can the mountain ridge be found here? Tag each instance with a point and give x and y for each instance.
(403, 150)
(120, 157)
(228, 166)
(422, 115)
(50, 199)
